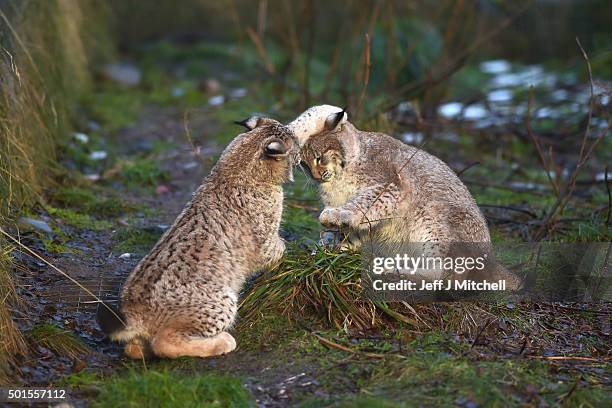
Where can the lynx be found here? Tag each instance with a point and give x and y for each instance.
(389, 196)
(182, 297)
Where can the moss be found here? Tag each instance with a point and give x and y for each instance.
(91, 202)
(142, 173)
(57, 340)
(57, 246)
(171, 389)
(81, 379)
(136, 240)
(115, 107)
(77, 219)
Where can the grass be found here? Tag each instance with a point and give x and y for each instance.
(437, 380)
(136, 240)
(47, 49)
(142, 172)
(57, 340)
(11, 340)
(172, 389)
(77, 219)
(91, 202)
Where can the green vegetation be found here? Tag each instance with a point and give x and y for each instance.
(437, 380)
(91, 202)
(59, 341)
(77, 219)
(172, 389)
(136, 239)
(142, 173)
(47, 49)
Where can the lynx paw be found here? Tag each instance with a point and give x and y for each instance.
(337, 217)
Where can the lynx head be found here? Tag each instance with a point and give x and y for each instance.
(323, 157)
(317, 119)
(266, 153)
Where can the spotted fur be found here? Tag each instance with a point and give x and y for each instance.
(182, 297)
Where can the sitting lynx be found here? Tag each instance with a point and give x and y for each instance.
(386, 194)
(182, 296)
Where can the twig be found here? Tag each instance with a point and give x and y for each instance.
(469, 166)
(70, 278)
(366, 74)
(331, 344)
(510, 208)
(585, 154)
(487, 324)
(545, 164)
(576, 358)
(609, 196)
(261, 51)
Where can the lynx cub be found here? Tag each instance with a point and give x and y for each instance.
(389, 195)
(182, 296)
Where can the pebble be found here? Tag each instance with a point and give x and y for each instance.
(238, 93)
(81, 137)
(98, 155)
(122, 73)
(216, 100)
(37, 224)
(210, 86)
(412, 137)
(127, 255)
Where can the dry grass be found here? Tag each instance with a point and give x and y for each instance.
(46, 49)
(328, 284)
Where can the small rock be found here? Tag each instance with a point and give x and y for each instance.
(81, 137)
(189, 165)
(216, 100)
(93, 125)
(162, 189)
(98, 155)
(238, 93)
(127, 255)
(177, 92)
(210, 86)
(37, 224)
(412, 137)
(92, 177)
(124, 74)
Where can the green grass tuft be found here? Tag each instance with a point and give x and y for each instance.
(136, 240)
(59, 341)
(170, 389)
(326, 282)
(142, 173)
(77, 219)
(86, 201)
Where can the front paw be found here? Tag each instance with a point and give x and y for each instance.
(337, 217)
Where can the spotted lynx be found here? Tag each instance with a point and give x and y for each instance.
(388, 195)
(182, 297)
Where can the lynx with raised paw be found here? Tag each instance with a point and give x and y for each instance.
(389, 196)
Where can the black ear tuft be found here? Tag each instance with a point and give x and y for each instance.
(275, 149)
(249, 123)
(334, 119)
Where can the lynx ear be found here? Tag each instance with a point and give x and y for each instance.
(250, 123)
(335, 119)
(275, 149)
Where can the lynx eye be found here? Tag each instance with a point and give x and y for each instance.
(317, 160)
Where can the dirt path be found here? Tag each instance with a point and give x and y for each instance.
(96, 263)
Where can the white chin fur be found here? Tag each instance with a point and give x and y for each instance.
(312, 121)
